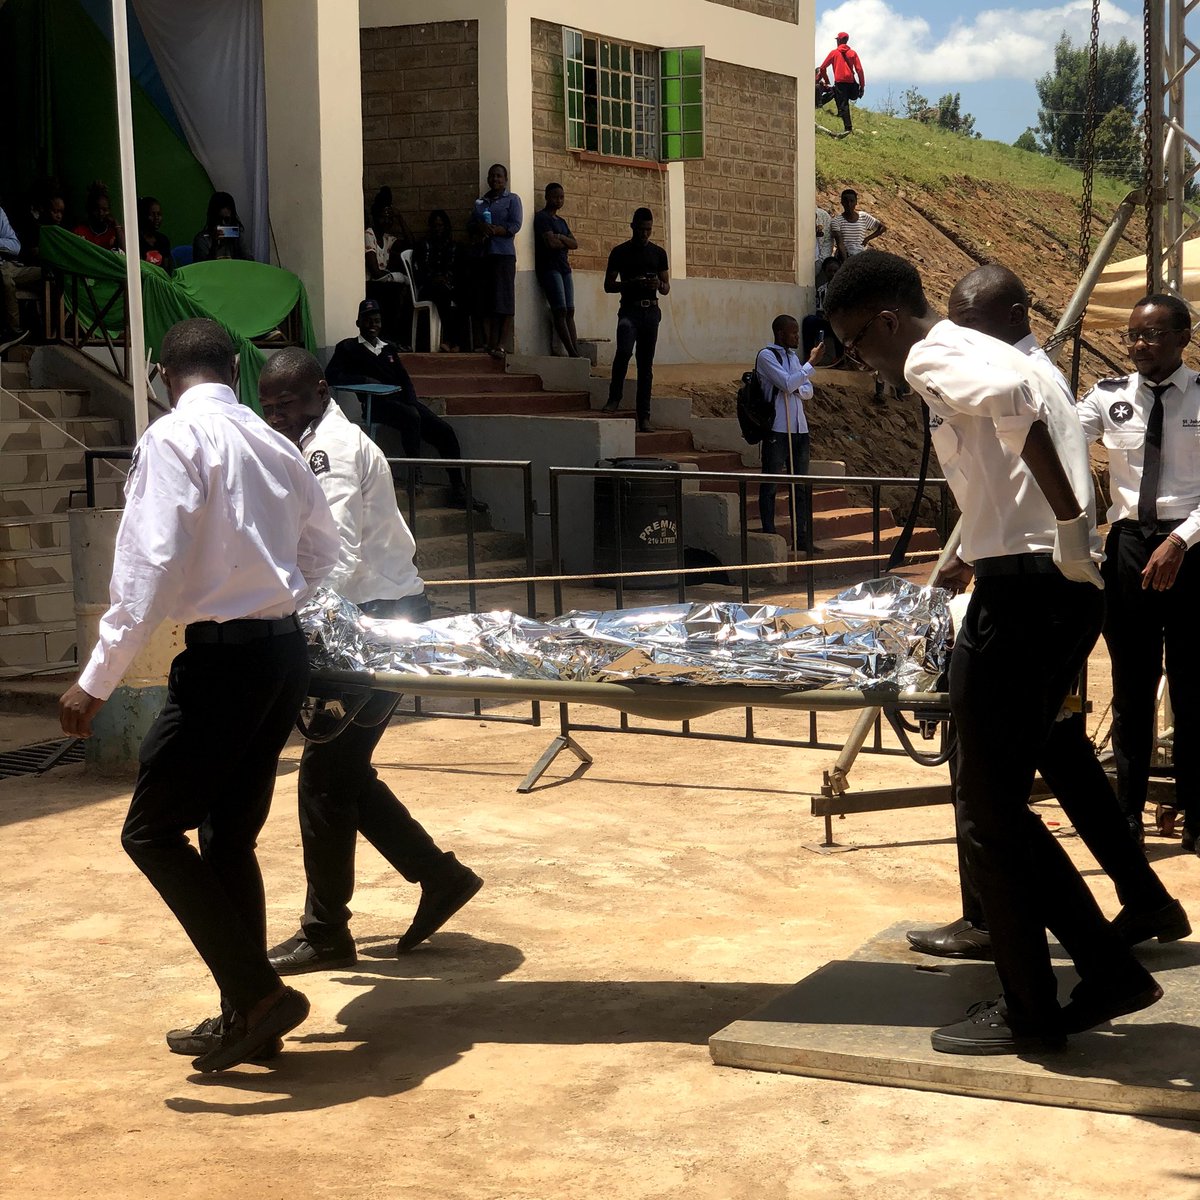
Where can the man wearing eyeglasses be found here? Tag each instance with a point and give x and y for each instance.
(1150, 423)
(1013, 452)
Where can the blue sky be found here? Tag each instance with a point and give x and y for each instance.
(989, 52)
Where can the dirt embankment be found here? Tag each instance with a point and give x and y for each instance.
(947, 232)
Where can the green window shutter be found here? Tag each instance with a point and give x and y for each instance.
(573, 91)
(681, 108)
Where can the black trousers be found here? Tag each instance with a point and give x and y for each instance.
(341, 795)
(1138, 626)
(209, 763)
(775, 461)
(417, 423)
(1071, 770)
(637, 330)
(843, 93)
(1022, 644)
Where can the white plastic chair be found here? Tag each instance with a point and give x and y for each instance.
(435, 320)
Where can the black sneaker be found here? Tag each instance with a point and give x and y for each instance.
(298, 955)
(207, 1036)
(985, 1030)
(239, 1041)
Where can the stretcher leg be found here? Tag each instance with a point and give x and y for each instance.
(562, 742)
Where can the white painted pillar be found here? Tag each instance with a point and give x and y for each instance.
(315, 153)
(676, 221)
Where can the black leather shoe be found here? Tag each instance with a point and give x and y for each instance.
(207, 1036)
(458, 499)
(439, 902)
(644, 427)
(1168, 923)
(985, 1030)
(239, 1040)
(1093, 1005)
(613, 406)
(960, 939)
(298, 955)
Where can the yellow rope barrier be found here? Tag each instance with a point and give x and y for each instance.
(763, 566)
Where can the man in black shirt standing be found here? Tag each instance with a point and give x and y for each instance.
(643, 276)
(369, 359)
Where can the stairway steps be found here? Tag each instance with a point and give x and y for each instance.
(47, 603)
(34, 568)
(451, 364)
(823, 497)
(37, 499)
(42, 532)
(35, 645)
(58, 433)
(517, 404)
(50, 402)
(446, 384)
(434, 552)
(492, 568)
(53, 466)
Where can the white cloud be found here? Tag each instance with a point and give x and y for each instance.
(997, 43)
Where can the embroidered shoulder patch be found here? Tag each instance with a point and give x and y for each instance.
(319, 461)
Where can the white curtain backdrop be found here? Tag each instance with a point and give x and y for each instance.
(210, 57)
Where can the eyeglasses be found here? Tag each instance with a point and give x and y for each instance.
(1151, 337)
(850, 347)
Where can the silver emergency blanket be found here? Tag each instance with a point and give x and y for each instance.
(882, 633)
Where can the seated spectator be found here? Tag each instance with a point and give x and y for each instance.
(48, 208)
(221, 236)
(436, 263)
(387, 236)
(369, 359)
(815, 326)
(100, 229)
(155, 245)
(552, 240)
(13, 274)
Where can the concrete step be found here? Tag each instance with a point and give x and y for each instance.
(35, 568)
(37, 605)
(49, 402)
(830, 523)
(451, 364)
(14, 374)
(431, 522)
(663, 441)
(451, 551)
(36, 645)
(32, 499)
(513, 403)
(858, 546)
(17, 699)
(823, 498)
(444, 384)
(58, 433)
(42, 532)
(53, 466)
(492, 568)
(707, 460)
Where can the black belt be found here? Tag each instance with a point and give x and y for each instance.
(1128, 525)
(639, 303)
(239, 632)
(1007, 565)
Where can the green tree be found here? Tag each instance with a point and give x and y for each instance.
(1062, 92)
(1117, 149)
(915, 105)
(946, 113)
(1028, 141)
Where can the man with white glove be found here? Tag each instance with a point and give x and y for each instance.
(1012, 450)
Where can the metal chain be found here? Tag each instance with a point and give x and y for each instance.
(1149, 91)
(1089, 146)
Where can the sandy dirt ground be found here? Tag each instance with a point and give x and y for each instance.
(552, 1042)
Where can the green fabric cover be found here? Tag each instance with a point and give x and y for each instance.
(246, 298)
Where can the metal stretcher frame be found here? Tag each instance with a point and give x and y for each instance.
(652, 701)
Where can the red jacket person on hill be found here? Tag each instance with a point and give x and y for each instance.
(849, 82)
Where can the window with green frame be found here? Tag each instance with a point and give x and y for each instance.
(630, 101)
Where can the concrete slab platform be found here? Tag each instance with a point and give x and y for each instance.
(867, 1019)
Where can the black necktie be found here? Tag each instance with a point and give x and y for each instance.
(1152, 465)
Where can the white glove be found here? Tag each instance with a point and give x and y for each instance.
(1073, 551)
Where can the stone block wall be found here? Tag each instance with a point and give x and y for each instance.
(778, 10)
(601, 196)
(420, 88)
(741, 197)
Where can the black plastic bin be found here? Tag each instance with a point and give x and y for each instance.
(648, 535)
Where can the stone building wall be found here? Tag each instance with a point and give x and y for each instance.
(741, 197)
(779, 10)
(420, 90)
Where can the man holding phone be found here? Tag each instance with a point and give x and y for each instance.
(637, 270)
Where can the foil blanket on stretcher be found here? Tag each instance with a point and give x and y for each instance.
(884, 633)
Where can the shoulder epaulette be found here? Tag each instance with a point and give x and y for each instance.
(1113, 385)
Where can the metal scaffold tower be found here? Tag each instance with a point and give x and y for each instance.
(1169, 58)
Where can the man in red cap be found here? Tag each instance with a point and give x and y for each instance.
(849, 82)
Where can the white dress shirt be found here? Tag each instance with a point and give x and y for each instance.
(983, 396)
(223, 520)
(1031, 346)
(789, 381)
(1116, 412)
(376, 557)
